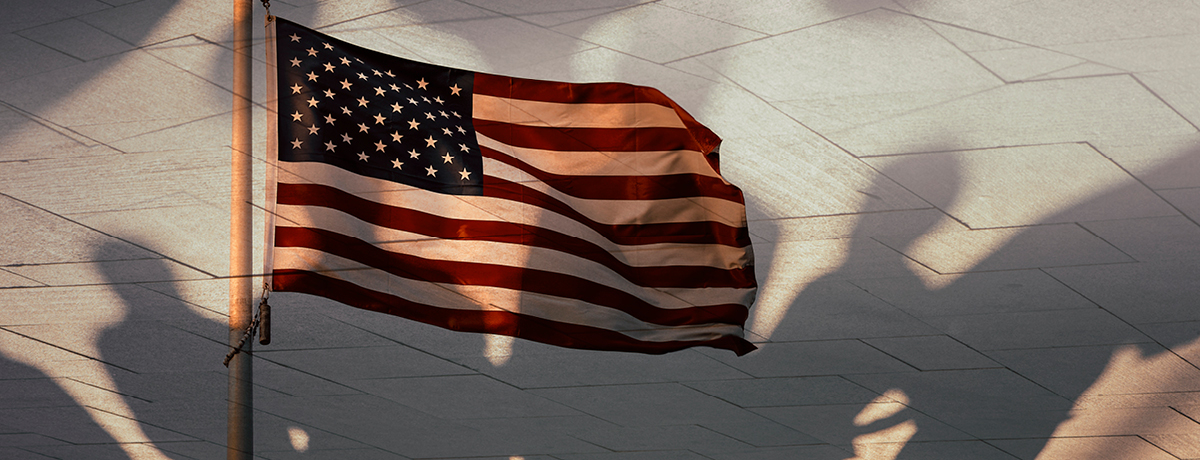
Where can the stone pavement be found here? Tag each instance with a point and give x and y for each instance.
(975, 223)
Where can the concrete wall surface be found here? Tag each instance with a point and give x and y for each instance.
(975, 226)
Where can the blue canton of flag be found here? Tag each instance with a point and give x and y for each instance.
(374, 114)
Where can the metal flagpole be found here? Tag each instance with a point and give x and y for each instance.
(240, 417)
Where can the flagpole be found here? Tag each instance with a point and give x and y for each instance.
(240, 417)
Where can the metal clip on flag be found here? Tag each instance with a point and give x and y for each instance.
(587, 216)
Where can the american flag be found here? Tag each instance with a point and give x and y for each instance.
(587, 216)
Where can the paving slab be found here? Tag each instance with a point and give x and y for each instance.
(41, 58)
(195, 180)
(1100, 448)
(21, 15)
(1147, 292)
(675, 34)
(576, 368)
(929, 353)
(1167, 162)
(829, 310)
(136, 345)
(76, 39)
(365, 454)
(99, 452)
(10, 280)
(660, 454)
(109, 105)
(1127, 421)
(1047, 22)
(818, 452)
(343, 362)
(776, 16)
(1146, 54)
(551, 14)
(1031, 113)
(344, 422)
(659, 438)
(1157, 239)
(969, 40)
(761, 434)
(836, 57)
(833, 424)
(1009, 187)
(949, 450)
(905, 222)
(29, 138)
(823, 357)
(35, 236)
(655, 404)
(463, 396)
(1017, 248)
(1174, 87)
(119, 271)
(1072, 371)
(826, 180)
(975, 293)
(1024, 63)
(1186, 199)
(1179, 445)
(141, 23)
(1180, 336)
(27, 439)
(1038, 329)
(98, 304)
(983, 403)
(786, 391)
(475, 44)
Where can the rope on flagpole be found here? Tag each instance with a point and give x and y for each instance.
(262, 318)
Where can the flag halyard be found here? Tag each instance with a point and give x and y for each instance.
(581, 215)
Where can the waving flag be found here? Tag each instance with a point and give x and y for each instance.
(580, 215)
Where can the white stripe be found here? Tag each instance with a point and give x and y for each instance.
(574, 115)
(501, 210)
(627, 212)
(595, 163)
(483, 298)
(506, 254)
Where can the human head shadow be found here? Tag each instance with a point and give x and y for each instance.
(175, 383)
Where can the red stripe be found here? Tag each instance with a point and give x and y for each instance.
(563, 92)
(588, 139)
(491, 322)
(678, 276)
(706, 232)
(597, 93)
(630, 235)
(501, 276)
(627, 187)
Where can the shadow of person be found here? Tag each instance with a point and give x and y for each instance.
(1023, 355)
(1132, 371)
(35, 408)
(173, 355)
(844, 310)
